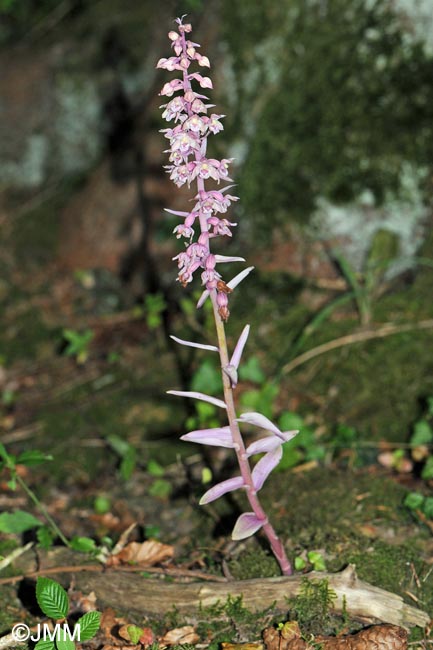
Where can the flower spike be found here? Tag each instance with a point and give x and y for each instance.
(191, 123)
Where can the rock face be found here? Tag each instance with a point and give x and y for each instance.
(24, 128)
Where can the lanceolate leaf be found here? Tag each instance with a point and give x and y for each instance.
(247, 524)
(192, 344)
(219, 489)
(265, 466)
(259, 420)
(52, 598)
(89, 625)
(215, 437)
(205, 398)
(237, 353)
(228, 258)
(263, 445)
(239, 277)
(231, 285)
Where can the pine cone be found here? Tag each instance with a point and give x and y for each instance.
(377, 637)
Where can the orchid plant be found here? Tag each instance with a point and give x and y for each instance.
(194, 122)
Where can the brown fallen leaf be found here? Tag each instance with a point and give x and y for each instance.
(185, 634)
(82, 602)
(136, 635)
(377, 637)
(146, 553)
(110, 623)
(147, 637)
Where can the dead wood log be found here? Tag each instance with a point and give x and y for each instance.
(359, 598)
(122, 590)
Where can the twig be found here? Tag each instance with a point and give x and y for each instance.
(386, 330)
(99, 568)
(13, 556)
(9, 641)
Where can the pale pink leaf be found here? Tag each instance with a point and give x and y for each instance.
(247, 524)
(237, 353)
(259, 420)
(264, 445)
(219, 489)
(191, 344)
(217, 437)
(232, 284)
(239, 277)
(202, 298)
(228, 258)
(205, 398)
(177, 213)
(265, 466)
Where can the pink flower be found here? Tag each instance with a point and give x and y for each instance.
(220, 226)
(173, 108)
(195, 124)
(214, 124)
(202, 60)
(205, 82)
(171, 87)
(169, 64)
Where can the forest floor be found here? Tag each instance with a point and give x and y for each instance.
(94, 399)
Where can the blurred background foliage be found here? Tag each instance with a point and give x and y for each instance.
(334, 95)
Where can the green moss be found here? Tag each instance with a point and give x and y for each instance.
(358, 519)
(231, 622)
(254, 563)
(311, 608)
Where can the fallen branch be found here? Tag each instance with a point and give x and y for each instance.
(358, 598)
(119, 589)
(358, 337)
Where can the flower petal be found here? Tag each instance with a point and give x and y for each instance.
(265, 466)
(202, 396)
(247, 524)
(191, 344)
(264, 445)
(259, 420)
(237, 353)
(218, 437)
(219, 489)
